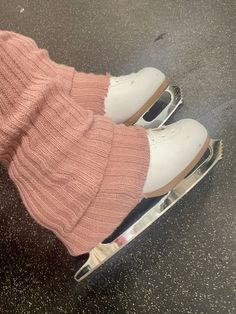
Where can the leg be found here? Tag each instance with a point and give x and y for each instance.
(78, 174)
(126, 99)
(86, 89)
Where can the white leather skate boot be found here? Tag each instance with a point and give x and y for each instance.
(174, 151)
(130, 96)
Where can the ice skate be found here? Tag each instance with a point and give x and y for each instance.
(181, 155)
(174, 151)
(144, 98)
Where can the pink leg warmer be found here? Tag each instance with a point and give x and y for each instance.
(78, 173)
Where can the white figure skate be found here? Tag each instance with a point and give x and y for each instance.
(144, 98)
(176, 179)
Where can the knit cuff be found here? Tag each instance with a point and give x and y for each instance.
(120, 191)
(89, 91)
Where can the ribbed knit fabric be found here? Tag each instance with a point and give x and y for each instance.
(87, 89)
(78, 173)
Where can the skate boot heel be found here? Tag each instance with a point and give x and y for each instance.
(162, 109)
(104, 251)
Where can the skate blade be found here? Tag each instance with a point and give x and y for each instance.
(104, 251)
(163, 108)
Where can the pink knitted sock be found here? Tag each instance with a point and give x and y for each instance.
(78, 173)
